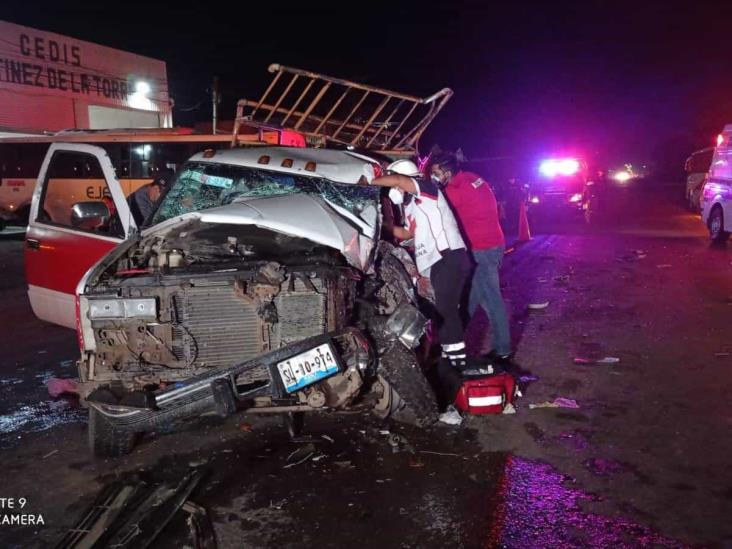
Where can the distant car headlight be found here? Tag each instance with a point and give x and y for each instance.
(622, 177)
(534, 199)
(576, 197)
(122, 308)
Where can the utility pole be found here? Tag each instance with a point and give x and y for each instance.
(215, 102)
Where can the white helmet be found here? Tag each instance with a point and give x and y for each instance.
(404, 167)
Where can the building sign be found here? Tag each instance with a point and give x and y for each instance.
(47, 63)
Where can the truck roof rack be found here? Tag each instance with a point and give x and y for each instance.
(333, 110)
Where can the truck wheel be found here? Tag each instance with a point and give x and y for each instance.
(401, 371)
(105, 440)
(716, 225)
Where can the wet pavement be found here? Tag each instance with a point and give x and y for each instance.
(643, 461)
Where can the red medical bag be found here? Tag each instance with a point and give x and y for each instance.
(488, 394)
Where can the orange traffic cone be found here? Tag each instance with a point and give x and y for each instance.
(524, 234)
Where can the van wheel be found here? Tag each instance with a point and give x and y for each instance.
(716, 225)
(105, 440)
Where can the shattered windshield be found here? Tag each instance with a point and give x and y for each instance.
(201, 185)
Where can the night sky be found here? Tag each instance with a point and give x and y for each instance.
(626, 81)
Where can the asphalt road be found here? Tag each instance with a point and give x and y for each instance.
(643, 461)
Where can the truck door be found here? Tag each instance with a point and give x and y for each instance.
(67, 229)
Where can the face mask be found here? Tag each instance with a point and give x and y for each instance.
(396, 196)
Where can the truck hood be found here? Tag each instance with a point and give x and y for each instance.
(300, 215)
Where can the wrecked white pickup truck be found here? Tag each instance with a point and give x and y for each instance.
(259, 284)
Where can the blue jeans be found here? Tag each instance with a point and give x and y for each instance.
(485, 290)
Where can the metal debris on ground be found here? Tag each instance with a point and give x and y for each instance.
(130, 514)
(300, 455)
(559, 402)
(200, 527)
(537, 306)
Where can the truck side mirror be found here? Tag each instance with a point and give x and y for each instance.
(89, 215)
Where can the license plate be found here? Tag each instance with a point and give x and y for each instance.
(307, 368)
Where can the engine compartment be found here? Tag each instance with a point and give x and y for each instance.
(203, 297)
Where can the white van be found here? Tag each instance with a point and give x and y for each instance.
(717, 192)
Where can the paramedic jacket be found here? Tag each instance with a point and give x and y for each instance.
(431, 221)
(477, 212)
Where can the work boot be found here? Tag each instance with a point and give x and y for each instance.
(500, 360)
(456, 355)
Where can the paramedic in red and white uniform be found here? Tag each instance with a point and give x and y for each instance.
(439, 249)
(476, 211)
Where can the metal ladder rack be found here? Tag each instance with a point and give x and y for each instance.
(333, 110)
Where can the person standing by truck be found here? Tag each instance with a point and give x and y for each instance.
(440, 251)
(477, 215)
(144, 200)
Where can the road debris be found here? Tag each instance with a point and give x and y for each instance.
(326, 437)
(131, 514)
(346, 464)
(537, 306)
(451, 416)
(416, 462)
(604, 360)
(246, 427)
(300, 455)
(200, 527)
(438, 453)
(58, 387)
(398, 443)
(278, 505)
(49, 454)
(559, 402)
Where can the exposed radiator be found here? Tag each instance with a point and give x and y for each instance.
(219, 329)
(301, 311)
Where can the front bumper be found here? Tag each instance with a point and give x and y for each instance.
(217, 391)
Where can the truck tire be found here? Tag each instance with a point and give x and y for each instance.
(716, 226)
(106, 441)
(400, 369)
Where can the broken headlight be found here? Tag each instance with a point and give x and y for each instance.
(122, 308)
